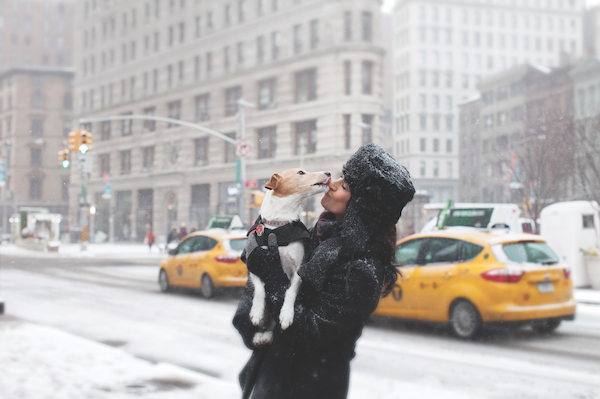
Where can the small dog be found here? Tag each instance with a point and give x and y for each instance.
(280, 210)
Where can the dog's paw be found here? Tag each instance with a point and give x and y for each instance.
(263, 338)
(256, 317)
(286, 317)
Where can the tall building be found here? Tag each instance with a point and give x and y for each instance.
(443, 49)
(36, 33)
(35, 119)
(312, 68)
(516, 139)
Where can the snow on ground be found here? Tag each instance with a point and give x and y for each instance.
(38, 361)
(99, 251)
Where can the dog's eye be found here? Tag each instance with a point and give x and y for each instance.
(301, 172)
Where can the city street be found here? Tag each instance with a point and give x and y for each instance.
(120, 306)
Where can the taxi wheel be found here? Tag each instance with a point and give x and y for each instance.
(163, 281)
(208, 287)
(465, 320)
(545, 326)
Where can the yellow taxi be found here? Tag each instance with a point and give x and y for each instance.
(468, 278)
(205, 260)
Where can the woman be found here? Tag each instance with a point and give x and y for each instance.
(342, 280)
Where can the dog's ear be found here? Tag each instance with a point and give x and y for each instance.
(272, 184)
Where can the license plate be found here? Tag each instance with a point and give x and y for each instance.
(545, 287)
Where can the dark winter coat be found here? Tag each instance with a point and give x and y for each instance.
(311, 359)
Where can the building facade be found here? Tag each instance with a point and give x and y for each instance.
(516, 143)
(313, 70)
(35, 118)
(443, 49)
(36, 33)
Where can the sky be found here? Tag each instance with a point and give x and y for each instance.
(388, 4)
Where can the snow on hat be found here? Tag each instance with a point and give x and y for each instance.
(380, 188)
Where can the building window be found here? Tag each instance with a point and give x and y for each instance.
(181, 32)
(367, 129)
(125, 162)
(149, 126)
(68, 101)
(230, 149)
(64, 192)
(126, 126)
(66, 128)
(275, 45)
(306, 85)
(35, 189)
(347, 78)
(208, 64)
(197, 67)
(436, 145)
(37, 127)
(174, 110)
(240, 54)
(260, 49)
(201, 151)
(267, 90)
(105, 130)
(148, 157)
(226, 61)
(423, 145)
(36, 157)
(347, 131)
(367, 77)
(347, 26)
(436, 168)
(232, 95)
(367, 26)
(314, 34)
(305, 137)
(37, 100)
(203, 107)
(423, 168)
(297, 39)
(267, 142)
(449, 146)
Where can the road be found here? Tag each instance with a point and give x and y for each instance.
(120, 305)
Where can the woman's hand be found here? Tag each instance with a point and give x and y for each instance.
(265, 263)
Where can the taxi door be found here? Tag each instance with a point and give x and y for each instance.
(199, 260)
(436, 279)
(401, 302)
(180, 269)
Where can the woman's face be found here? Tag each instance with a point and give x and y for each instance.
(336, 199)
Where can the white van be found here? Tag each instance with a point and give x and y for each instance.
(477, 215)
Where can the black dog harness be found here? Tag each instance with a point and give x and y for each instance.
(285, 234)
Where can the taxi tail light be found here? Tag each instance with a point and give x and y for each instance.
(567, 272)
(226, 258)
(503, 275)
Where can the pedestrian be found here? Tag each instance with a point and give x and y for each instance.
(350, 268)
(150, 238)
(182, 231)
(173, 236)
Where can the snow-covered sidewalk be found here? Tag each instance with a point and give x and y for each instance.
(40, 362)
(124, 251)
(587, 295)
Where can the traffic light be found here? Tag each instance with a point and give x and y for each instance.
(85, 142)
(63, 158)
(74, 140)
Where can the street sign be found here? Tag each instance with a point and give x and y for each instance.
(86, 163)
(242, 148)
(252, 183)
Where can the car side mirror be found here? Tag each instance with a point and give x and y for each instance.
(172, 252)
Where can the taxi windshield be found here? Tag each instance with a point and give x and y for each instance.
(530, 252)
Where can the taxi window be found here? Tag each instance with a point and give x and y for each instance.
(531, 252)
(441, 250)
(407, 253)
(238, 245)
(204, 243)
(186, 246)
(469, 251)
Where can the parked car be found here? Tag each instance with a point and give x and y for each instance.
(470, 278)
(205, 260)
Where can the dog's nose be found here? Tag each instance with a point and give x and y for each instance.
(327, 174)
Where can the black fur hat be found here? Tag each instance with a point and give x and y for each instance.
(380, 187)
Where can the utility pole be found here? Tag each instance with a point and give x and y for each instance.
(241, 153)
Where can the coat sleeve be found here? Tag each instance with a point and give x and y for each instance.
(340, 308)
(241, 320)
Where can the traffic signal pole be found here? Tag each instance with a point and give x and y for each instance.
(242, 133)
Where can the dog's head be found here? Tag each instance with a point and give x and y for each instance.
(298, 182)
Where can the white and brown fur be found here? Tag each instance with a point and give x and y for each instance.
(286, 192)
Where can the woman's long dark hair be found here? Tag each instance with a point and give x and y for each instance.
(382, 246)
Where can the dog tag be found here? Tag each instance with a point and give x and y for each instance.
(260, 229)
